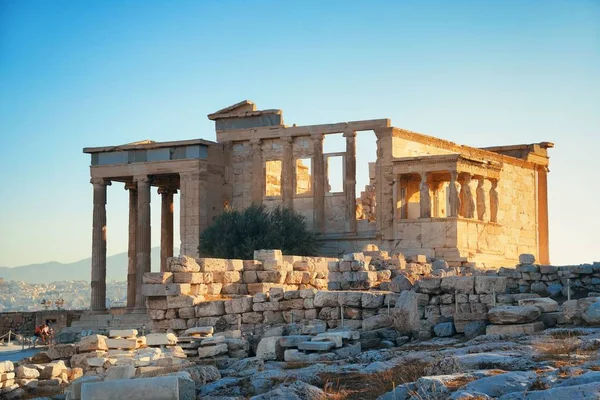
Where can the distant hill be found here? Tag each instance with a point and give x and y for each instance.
(116, 269)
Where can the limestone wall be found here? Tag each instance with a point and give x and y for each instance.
(24, 323)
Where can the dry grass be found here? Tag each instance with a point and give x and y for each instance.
(565, 373)
(551, 349)
(296, 365)
(357, 386)
(566, 334)
(459, 382)
(538, 384)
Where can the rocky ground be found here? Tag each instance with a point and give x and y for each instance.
(560, 363)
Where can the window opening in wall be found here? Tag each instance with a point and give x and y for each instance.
(303, 176)
(366, 156)
(334, 143)
(273, 178)
(335, 174)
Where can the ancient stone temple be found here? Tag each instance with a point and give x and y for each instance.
(424, 195)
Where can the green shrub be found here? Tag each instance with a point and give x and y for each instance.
(236, 234)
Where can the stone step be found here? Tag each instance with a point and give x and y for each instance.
(316, 346)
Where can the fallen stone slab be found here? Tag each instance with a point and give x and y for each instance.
(329, 337)
(212, 340)
(545, 304)
(293, 355)
(269, 348)
(120, 372)
(316, 346)
(532, 327)
(211, 351)
(159, 388)
(506, 315)
(122, 343)
(161, 339)
(199, 331)
(293, 340)
(123, 333)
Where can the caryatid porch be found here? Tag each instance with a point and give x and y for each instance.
(438, 196)
(172, 168)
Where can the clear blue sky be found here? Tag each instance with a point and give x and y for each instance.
(92, 73)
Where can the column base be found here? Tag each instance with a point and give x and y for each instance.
(138, 311)
(99, 311)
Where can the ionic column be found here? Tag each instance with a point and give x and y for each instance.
(467, 202)
(425, 197)
(257, 172)
(166, 226)
(350, 181)
(494, 201)
(287, 175)
(453, 194)
(481, 201)
(131, 253)
(98, 282)
(142, 243)
(319, 183)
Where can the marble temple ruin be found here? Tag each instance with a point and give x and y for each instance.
(425, 196)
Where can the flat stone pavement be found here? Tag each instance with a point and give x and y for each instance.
(16, 353)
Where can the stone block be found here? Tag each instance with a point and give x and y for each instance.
(53, 370)
(316, 346)
(372, 300)
(161, 339)
(269, 348)
(264, 255)
(120, 372)
(526, 259)
(545, 304)
(123, 333)
(210, 308)
(212, 264)
(293, 340)
(156, 303)
(271, 276)
(183, 301)
(199, 331)
(429, 285)
(506, 315)
(122, 343)
(169, 289)
(24, 372)
(91, 343)
(490, 284)
(529, 328)
(6, 366)
(252, 265)
(182, 264)
(61, 351)
(238, 305)
(157, 278)
(252, 318)
(458, 284)
(250, 276)
(157, 388)
(212, 351)
(192, 277)
(326, 299)
(266, 306)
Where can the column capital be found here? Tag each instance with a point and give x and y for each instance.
(141, 179)
(316, 136)
(287, 140)
(98, 182)
(255, 142)
(166, 190)
(350, 134)
(453, 175)
(130, 186)
(383, 132)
